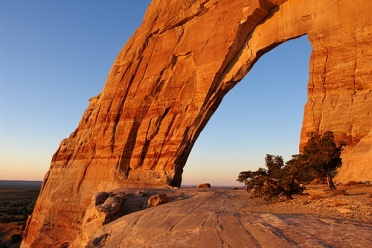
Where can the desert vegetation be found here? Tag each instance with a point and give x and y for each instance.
(15, 211)
(320, 157)
(17, 202)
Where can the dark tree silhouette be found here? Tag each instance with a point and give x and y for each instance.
(278, 179)
(322, 155)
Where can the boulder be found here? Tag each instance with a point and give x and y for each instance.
(104, 208)
(204, 186)
(157, 200)
(111, 206)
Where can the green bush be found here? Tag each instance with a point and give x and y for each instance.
(320, 157)
(274, 181)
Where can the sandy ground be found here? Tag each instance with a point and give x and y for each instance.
(219, 217)
(352, 203)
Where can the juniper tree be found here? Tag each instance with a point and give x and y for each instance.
(322, 155)
(277, 179)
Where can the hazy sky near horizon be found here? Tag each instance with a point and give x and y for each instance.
(56, 55)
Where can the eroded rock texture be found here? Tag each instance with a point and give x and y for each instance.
(219, 218)
(171, 76)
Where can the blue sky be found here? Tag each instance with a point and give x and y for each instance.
(55, 55)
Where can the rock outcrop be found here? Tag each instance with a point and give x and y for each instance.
(170, 78)
(157, 200)
(104, 208)
(228, 218)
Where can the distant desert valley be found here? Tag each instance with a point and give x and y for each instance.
(216, 216)
(17, 201)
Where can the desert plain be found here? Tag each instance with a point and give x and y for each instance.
(17, 200)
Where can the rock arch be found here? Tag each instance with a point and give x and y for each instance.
(262, 114)
(171, 76)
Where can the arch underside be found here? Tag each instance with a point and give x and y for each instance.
(172, 75)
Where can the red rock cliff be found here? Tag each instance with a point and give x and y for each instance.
(171, 76)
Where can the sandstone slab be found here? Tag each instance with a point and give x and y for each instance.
(218, 218)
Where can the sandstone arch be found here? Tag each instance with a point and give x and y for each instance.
(171, 76)
(262, 114)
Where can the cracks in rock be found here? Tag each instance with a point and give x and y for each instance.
(149, 138)
(86, 169)
(311, 101)
(183, 153)
(251, 236)
(176, 56)
(355, 66)
(123, 163)
(124, 98)
(45, 182)
(159, 83)
(201, 10)
(122, 101)
(332, 4)
(355, 87)
(324, 81)
(144, 151)
(158, 121)
(217, 227)
(124, 160)
(140, 81)
(194, 210)
(161, 152)
(210, 34)
(279, 233)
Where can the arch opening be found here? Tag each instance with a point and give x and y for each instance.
(261, 115)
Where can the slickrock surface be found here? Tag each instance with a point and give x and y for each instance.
(228, 218)
(355, 204)
(171, 76)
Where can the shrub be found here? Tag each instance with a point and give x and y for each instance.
(274, 181)
(322, 155)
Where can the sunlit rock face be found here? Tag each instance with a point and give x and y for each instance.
(171, 76)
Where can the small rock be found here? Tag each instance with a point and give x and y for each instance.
(141, 193)
(344, 210)
(157, 200)
(112, 204)
(204, 186)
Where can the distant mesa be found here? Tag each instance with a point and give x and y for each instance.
(172, 75)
